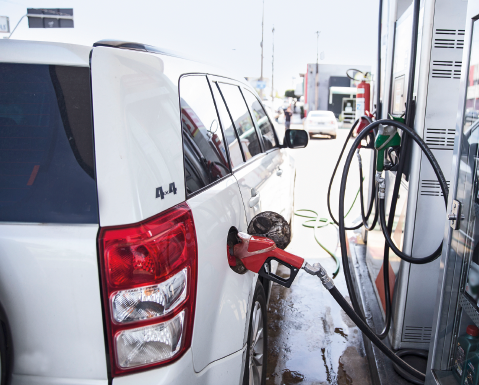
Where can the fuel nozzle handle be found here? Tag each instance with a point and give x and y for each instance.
(256, 254)
(387, 137)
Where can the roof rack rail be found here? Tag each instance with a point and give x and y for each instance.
(136, 47)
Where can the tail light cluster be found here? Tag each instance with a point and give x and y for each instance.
(149, 275)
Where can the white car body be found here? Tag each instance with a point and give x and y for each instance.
(321, 122)
(49, 276)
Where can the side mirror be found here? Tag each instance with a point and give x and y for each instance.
(296, 138)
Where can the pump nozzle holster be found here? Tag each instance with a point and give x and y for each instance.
(387, 137)
(256, 254)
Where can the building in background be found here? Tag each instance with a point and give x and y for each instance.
(326, 87)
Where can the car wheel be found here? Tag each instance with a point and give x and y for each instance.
(333, 136)
(256, 353)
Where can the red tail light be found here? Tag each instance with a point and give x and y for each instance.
(149, 275)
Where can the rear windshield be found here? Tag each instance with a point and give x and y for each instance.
(46, 145)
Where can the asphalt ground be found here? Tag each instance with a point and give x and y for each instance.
(311, 339)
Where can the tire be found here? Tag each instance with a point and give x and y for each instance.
(256, 348)
(333, 136)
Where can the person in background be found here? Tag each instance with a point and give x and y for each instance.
(278, 114)
(287, 115)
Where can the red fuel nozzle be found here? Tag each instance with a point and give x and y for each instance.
(256, 253)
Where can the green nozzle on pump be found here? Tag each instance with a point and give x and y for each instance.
(387, 137)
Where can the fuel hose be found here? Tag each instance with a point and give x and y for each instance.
(373, 202)
(386, 228)
(372, 336)
(365, 217)
(328, 283)
(372, 199)
(320, 222)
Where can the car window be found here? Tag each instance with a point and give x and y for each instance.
(46, 147)
(236, 156)
(261, 119)
(203, 146)
(242, 120)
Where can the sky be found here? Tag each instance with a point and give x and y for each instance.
(225, 33)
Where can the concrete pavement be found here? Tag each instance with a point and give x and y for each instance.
(311, 339)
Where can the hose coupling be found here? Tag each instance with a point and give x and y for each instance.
(381, 185)
(319, 270)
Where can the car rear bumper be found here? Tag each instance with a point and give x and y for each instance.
(328, 130)
(227, 370)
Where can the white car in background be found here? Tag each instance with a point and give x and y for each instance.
(124, 168)
(321, 123)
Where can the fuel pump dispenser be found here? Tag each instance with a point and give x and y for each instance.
(418, 83)
(395, 162)
(453, 352)
(410, 155)
(255, 252)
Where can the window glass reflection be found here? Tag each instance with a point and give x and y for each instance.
(242, 120)
(261, 120)
(204, 150)
(46, 158)
(236, 157)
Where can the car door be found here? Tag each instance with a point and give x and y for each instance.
(255, 174)
(212, 192)
(276, 158)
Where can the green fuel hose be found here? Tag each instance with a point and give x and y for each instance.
(316, 222)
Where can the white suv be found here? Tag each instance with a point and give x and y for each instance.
(122, 169)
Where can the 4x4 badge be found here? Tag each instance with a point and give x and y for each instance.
(161, 194)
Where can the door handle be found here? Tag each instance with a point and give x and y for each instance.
(279, 172)
(255, 197)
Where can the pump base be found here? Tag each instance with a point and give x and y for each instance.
(380, 367)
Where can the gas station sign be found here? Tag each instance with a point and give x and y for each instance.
(261, 85)
(50, 17)
(4, 24)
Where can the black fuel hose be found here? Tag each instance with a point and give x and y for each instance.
(387, 229)
(372, 336)
(373, 200)
(342, 233)
(328, 199)
(392, 245)
(410, 352)
(390, 224)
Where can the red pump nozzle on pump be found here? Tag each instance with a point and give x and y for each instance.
(256, 253)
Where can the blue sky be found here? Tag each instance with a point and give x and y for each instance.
(226, 33)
